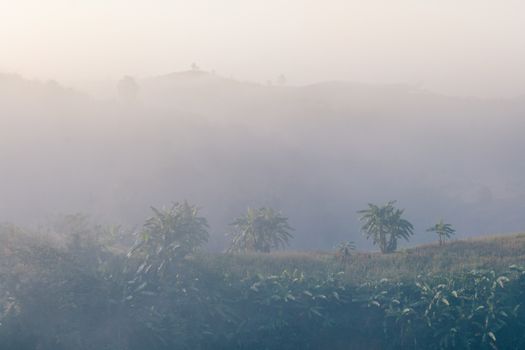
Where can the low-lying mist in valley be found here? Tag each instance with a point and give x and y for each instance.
(318, 153)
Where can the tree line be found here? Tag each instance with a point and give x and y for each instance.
(177, 231)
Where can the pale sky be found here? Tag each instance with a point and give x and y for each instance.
(458, 47)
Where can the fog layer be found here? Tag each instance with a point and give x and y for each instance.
(318, 153)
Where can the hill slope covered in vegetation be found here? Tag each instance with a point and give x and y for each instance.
(81, 291)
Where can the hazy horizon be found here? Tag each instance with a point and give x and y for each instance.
(467, 48)
(317, 152)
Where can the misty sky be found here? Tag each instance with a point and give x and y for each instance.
(459, 47)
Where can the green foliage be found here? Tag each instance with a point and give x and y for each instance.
(260, 230)
(344, 251)
(385, 225)
(155, 262)
(169, 236)
(475, 310)
(50, 298)
(444, 231)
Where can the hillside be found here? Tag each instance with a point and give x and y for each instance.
(487, 253)
(75, 291)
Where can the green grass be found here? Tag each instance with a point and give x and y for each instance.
(491, 253)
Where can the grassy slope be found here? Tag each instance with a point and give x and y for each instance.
(75, 302)
(492, 253)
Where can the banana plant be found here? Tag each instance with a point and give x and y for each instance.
(385, 225)
(443, 230)
(260, 230)
(344, 251)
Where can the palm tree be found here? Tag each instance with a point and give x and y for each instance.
(444, 231)
(343, 251)
(260, 230)
(385, 225)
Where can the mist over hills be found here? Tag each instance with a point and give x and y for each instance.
(318, 153)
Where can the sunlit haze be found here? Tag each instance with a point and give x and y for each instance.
(466, 47)
(262, 174)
